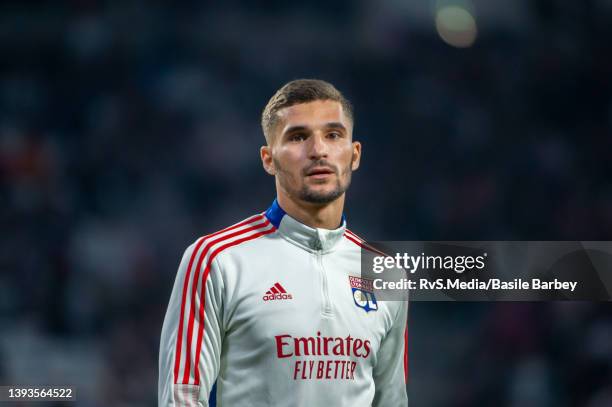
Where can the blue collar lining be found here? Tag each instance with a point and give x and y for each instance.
(275, 214)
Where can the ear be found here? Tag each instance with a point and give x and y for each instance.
(356, 155)
(265, 153)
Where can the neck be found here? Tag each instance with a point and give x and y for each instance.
(324, 216)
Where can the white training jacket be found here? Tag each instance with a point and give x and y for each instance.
(276, 312)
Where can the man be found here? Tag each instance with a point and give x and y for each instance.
(273, 308)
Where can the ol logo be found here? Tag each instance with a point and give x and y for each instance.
(364, 299)
(363, 293)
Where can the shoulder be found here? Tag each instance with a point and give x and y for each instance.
(352, 237)
(210, 246)
(360, 243)
(203, 252)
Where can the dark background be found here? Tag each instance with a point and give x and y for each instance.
(128, 129)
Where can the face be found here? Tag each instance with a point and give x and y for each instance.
(312, 153)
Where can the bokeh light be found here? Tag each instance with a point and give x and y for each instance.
(456, 26)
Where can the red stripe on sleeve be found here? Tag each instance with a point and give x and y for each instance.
(406, 355)
(203, 292)
(179, 341)
(177, 360)
(194, 288)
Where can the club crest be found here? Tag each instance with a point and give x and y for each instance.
(363, 293)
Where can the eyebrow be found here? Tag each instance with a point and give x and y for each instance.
(294, 129)
(330, 125)
(335, 125)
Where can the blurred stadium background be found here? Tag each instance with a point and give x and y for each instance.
(128, 129)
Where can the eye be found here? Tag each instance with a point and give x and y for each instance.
(334, 135)
(297, 137)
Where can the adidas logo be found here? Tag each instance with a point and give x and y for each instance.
(277, 292)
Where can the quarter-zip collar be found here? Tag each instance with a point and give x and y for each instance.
(306, 237)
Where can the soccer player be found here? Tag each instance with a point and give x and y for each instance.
(273, 308)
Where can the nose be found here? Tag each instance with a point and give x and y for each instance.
(318, 147)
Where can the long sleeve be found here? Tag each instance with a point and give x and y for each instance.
(192, 333)
(391, 370)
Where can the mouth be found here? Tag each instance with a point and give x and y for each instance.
(320, 173)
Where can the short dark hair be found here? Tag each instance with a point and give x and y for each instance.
(297, 92)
